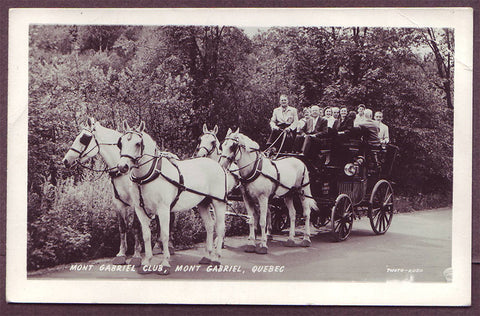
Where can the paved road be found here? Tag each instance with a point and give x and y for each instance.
(417, 247)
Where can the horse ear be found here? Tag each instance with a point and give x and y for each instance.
(205, 129)
(215, 129)
(238, 130)
(126, 127)
(141, 127)
(90, 122)
(229, 131)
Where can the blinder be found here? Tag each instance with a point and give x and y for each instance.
(119, 143)
(85, 139)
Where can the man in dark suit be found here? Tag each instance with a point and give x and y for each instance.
(315, 135)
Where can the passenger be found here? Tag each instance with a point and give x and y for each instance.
(383, 134)
(347, 123)
(332, 122)
(343, 113)
(303, 120)
(315, 138)
(284, 119)
(336, 113)
(305, 127)
(369, 129)
(360, 115)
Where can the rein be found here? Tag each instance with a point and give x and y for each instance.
(257, 170)
(113, 172)
(156, 170)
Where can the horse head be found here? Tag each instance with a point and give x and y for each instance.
(134, 144)
(209, 143)
(230, 148)
(84, 146)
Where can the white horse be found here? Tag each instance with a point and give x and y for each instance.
(263, 178)
(209, 147)
(94, 139)
(163, 185)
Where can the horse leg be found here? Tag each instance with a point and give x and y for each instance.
(157, 248)
(269, 224)
(171, 240)
(263, 206)
(292, 213)
(122, 227)
(219, 208)
(250, 206)
(163, 213)
(306, 242)
(208, 222)
(137, 229)
(146, 233)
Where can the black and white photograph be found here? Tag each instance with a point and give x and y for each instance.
(240, 156)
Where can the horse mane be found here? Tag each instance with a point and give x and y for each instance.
(248, 142)
(109, 134)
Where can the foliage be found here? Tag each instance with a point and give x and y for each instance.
(176, 78)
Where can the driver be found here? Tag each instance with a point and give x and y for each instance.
(284, 119)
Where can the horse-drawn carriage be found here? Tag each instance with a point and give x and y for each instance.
(336, 192)
(354, 183)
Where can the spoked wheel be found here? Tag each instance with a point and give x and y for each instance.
(319, 220)
(342, 217)
(280, 219)
(380, 210)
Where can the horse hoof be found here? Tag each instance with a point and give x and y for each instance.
(171, 250)
(136, 261)
(249, 248)
(141, 271)
(157, 250)
(164, 271)
(290, 243)
(215, 263)
(120, 260)
(205, 260)
(306, 243)
(261, 250)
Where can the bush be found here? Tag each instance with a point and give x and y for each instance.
(77, 222)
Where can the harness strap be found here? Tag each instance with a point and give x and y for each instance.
(113, 175)
(180, 185)
(256, 171)
(142, 203)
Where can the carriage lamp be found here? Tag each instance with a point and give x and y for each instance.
(350, 169)
(353, 168)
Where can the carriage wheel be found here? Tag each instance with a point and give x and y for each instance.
(280, 219)
(380, 210)
(342, 217)
(319, 220)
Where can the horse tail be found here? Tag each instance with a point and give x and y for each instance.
(307, 193)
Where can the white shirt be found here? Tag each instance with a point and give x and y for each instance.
(358, 120)
(331, 121)
(383, 133)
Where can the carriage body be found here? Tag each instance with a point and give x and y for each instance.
(353, 184)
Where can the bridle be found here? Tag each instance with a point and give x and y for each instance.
(214, 146)
(236, 148)
(142, 148)
(85, 141)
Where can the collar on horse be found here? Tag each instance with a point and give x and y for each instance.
(156, 170)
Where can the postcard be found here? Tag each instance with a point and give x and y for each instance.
(287, 156)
